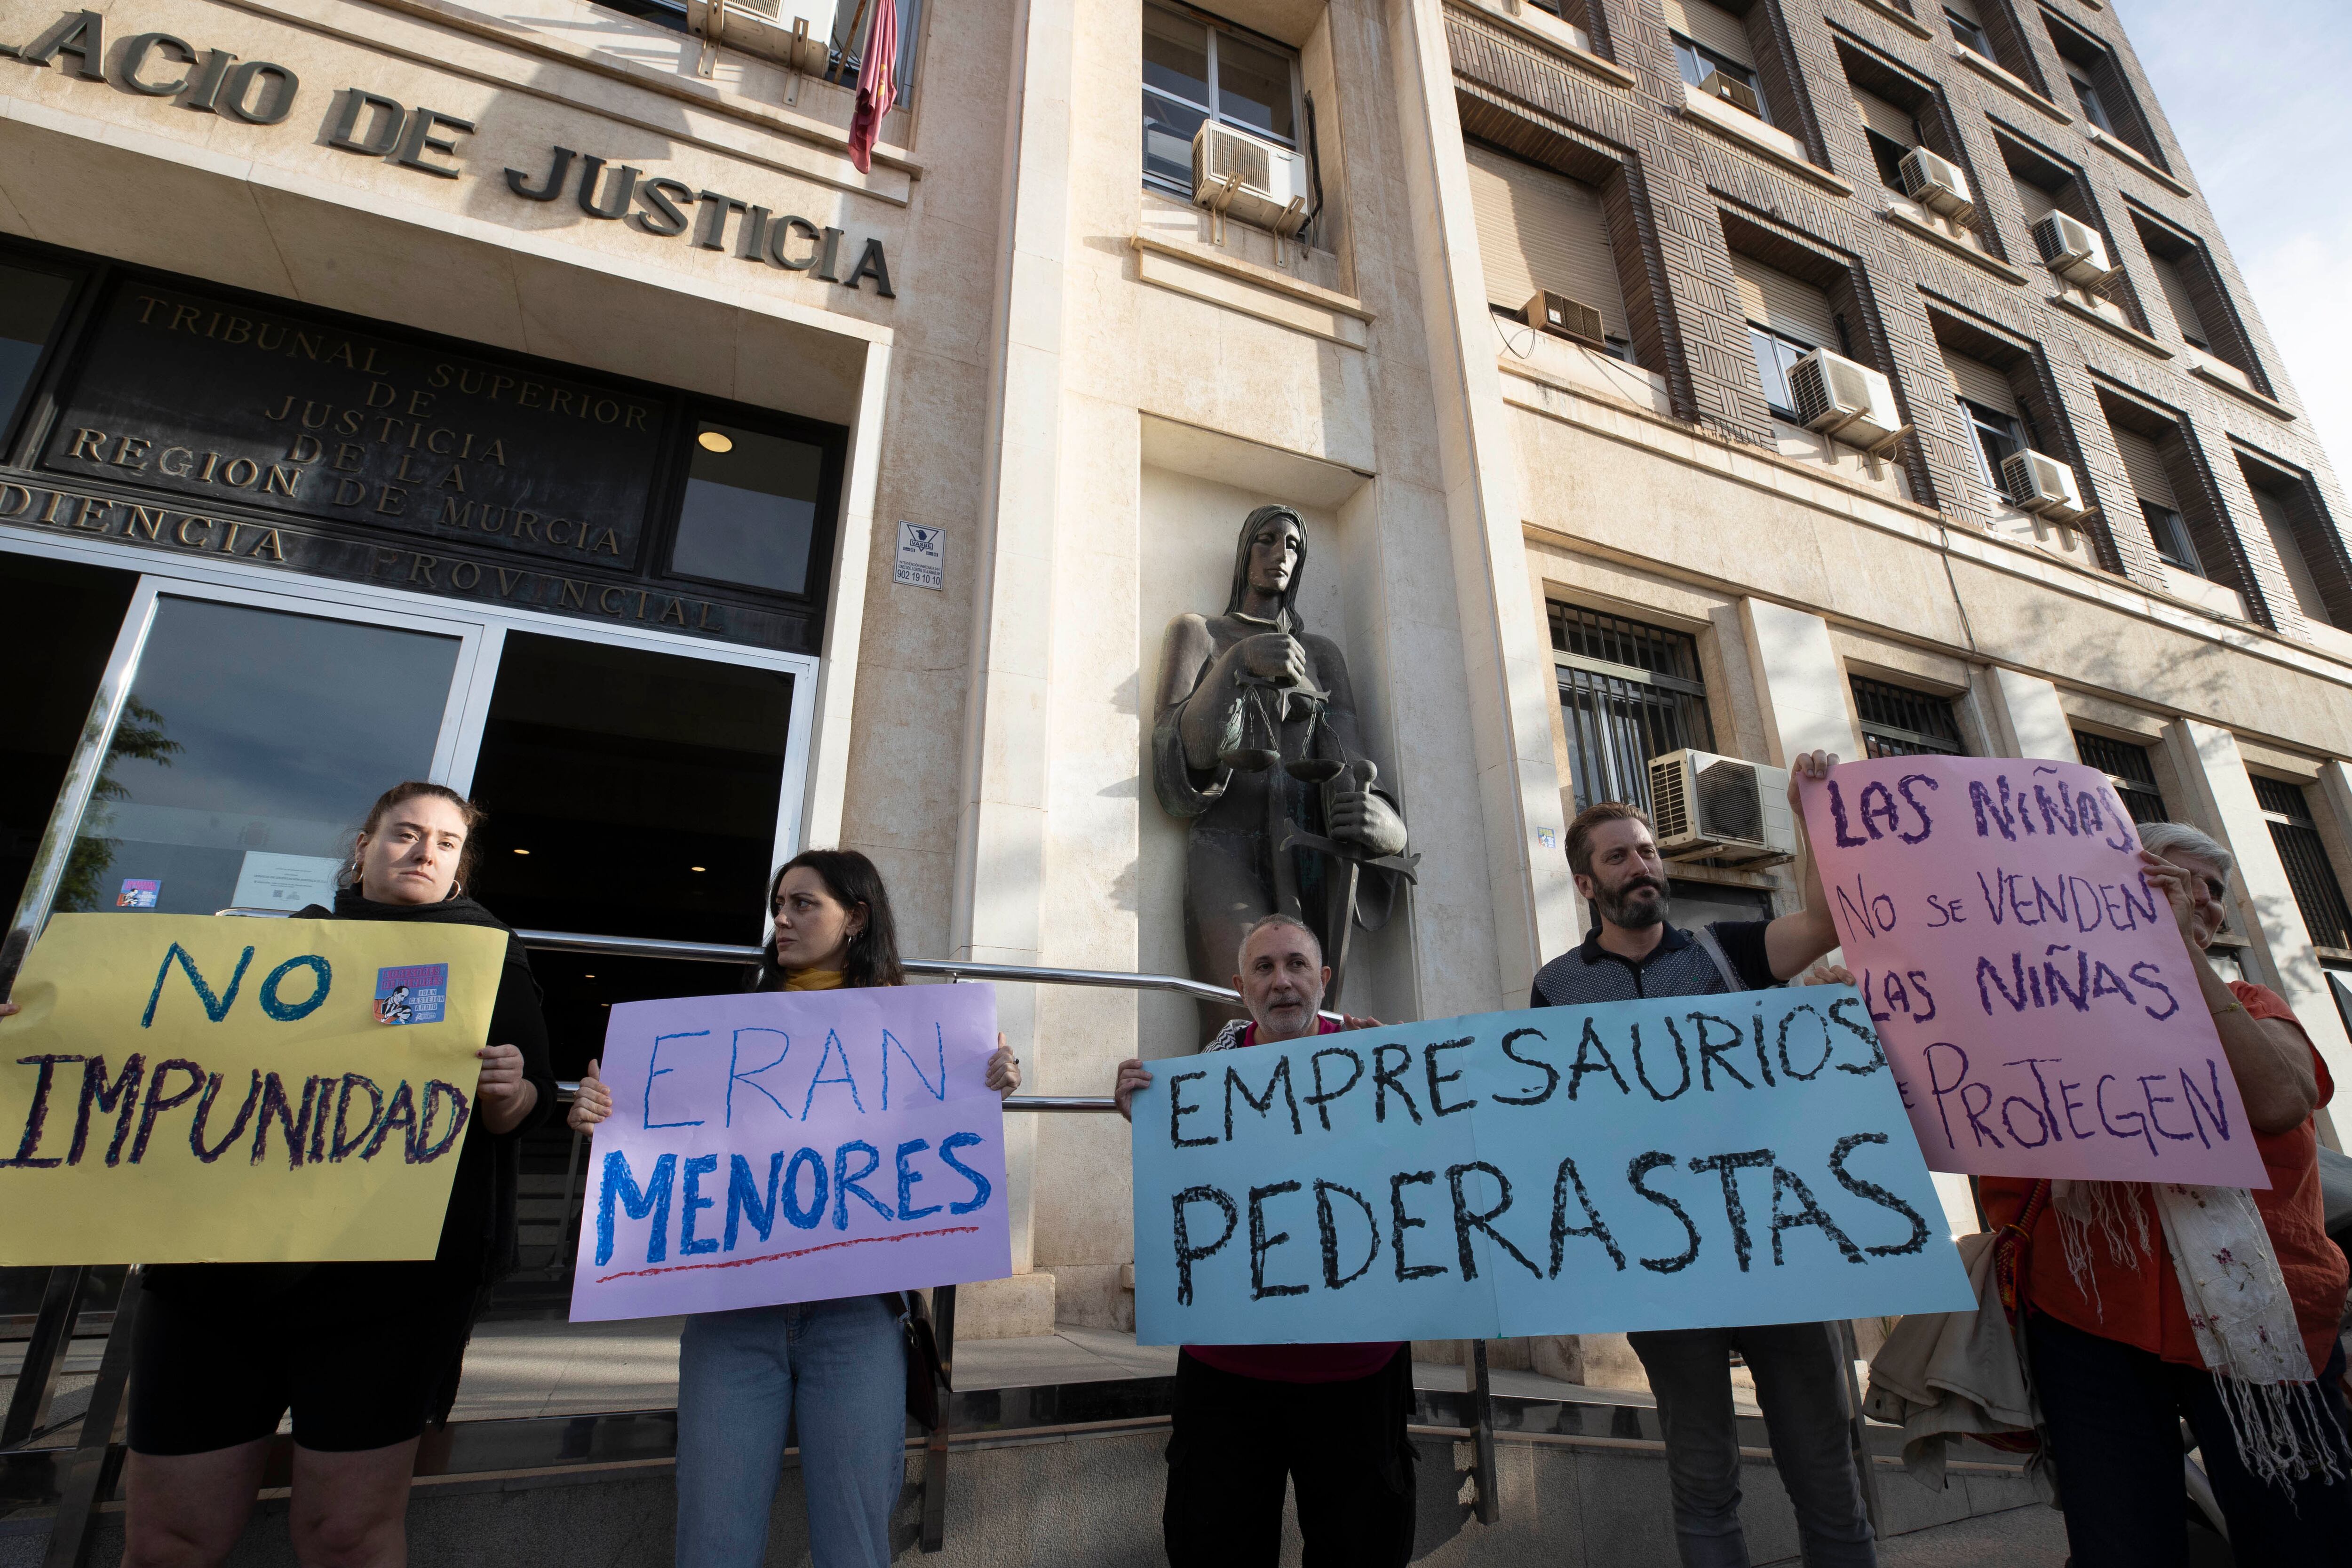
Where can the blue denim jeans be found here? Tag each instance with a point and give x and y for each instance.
(837, 1370)
(1801, 1389)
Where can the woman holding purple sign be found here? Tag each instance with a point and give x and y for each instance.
(2149, 1303)
(366, 1355)
(835, 1369)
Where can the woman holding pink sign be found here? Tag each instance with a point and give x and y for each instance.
(2148, 1303)
(835, 1370)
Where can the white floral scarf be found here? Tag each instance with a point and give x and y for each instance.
(2238, 1306)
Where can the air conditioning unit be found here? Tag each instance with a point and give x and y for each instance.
(766, 29)
(1566, 318)
(2042, 485)
(1246, 177)
(2073, 249)
(1739, 94)
(1709, 807)
(1841, 398)
(1938, 185)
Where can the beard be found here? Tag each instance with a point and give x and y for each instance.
(1624, 907)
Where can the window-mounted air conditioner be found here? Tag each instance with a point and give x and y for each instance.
(766, 29)
(1938, 185)
(1709, 807)
(2073, 249)
(2042, 485)
(1246, 177)
(1739, 94)
(1566, 318)
(1841, 398)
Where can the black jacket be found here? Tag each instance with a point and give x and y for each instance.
(480, 1225)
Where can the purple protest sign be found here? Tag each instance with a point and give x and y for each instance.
(793, 1146)
(2033, 991)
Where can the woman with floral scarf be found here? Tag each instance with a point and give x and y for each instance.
(2147, 1303)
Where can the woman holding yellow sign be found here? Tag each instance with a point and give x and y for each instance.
(365, 1354)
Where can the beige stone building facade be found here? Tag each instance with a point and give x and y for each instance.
(541, 399)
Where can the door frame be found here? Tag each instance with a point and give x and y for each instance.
(481, 627)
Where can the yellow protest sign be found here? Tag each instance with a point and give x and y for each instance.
(184, 1088)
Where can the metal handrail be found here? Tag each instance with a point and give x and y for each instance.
(943, 968)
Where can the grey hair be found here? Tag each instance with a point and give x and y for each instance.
(1241, 953)
(2162, 838)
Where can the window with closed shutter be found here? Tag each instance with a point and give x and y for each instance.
(2281, 525)
(1712, 25)
(1790, 306)
(1541, 230)
(1981, 383)
(1882, 117)
(2177, 295)
(2038, 202)
(2145, 465)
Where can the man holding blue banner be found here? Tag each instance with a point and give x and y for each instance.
(1633, 953)
(1328, 1419)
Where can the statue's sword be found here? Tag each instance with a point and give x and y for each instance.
(1348, 862)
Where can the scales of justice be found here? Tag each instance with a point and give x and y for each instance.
(1254, 745)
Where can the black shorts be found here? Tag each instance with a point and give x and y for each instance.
(365, 1353)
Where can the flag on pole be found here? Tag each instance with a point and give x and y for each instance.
(877, 82)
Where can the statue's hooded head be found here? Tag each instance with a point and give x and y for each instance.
(1267, 524)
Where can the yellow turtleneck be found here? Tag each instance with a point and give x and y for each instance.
(814, 979)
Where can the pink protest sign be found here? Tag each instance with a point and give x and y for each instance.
(793, 1146)
(2032, 989)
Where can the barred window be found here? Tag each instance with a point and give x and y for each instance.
(2317, 894)
(2129, 769)
(1897, 722)
(1628, 692)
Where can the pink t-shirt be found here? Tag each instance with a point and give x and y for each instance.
(1297, 1363)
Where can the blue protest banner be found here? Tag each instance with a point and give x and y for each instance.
(1684, 1162)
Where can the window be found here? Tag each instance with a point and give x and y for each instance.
(2170, 533)
(2088, 97)
(1788, 319)
(2279, 522)
(1697, 61)
(2152, 486)
(2101, 88)
(1538, 229)
(1628, 692)
(1897, 722)
(1996, 439)
(2184, 306)
(750, 515)
(1194, 72)
(2317, 894)
(31, 304)
(1967, 33)
(1776, 356)
(1707, 38)
(2127, 768)
(1891, 131)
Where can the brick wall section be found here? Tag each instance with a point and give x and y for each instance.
(1679, 178)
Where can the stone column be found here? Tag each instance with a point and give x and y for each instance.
(1799, 682)
(2207, 758)
(1001, 836)
(2028, 720)
(845, 624)
(1505, 650)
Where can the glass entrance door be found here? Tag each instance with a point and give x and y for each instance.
(630, 791)
(254, 740)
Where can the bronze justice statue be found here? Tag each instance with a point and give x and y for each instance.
(1254, 743)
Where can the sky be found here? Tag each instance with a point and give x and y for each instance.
(2255, 92)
